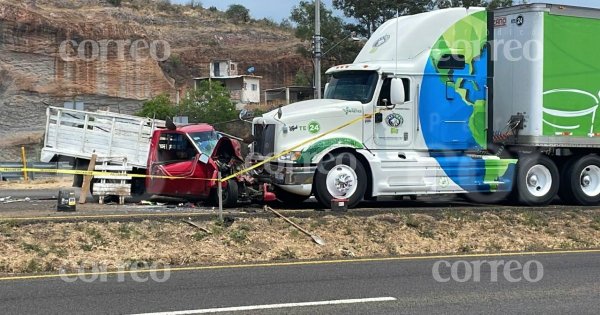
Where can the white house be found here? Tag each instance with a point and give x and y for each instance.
(244, 89)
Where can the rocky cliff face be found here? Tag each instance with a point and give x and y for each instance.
(53, 51)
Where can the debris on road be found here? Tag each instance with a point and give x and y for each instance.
(8, 200)
(314, 237)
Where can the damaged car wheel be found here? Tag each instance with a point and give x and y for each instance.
(230, 195)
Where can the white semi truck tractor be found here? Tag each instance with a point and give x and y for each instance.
(485, 103)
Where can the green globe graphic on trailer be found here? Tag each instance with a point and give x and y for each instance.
(454, 88)
(466, 40)
(571, 91)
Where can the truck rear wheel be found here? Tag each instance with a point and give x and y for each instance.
(581, 181)
(340, 176)
(537, 180)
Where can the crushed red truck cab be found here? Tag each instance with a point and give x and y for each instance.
(187, 159)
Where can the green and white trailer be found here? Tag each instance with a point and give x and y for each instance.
(499, 103)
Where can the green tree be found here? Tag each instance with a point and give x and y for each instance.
(336, 44)
(492, 4)
(160, 107)
(287, 24)
(238, 13)
(301, 79)
(195, 3)
(372, 13)
(337, 48)
(209, 103)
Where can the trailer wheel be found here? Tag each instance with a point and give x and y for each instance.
(581, 183)
(340, 176)
(230, 195)
(537, 180)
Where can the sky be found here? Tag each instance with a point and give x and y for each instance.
(280, 9)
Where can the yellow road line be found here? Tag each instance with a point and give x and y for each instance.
(303, 263)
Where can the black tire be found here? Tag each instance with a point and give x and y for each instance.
(230, 195)
(565, 192)
(572, 186)
(534, 163)
(487, 197)
(327, 164)
(79, 165)
(289, 198)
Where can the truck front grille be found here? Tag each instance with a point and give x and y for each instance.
(264, 139)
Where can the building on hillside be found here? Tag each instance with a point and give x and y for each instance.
(244, 89)
(287, 95)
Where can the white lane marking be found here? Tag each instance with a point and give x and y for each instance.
(273, 306)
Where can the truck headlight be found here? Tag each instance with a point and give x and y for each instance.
(291, 156)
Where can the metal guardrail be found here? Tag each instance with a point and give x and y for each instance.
(39, 165)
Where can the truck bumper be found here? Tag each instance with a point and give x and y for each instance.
(293, 175)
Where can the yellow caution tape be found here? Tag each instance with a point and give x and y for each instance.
(109, 174)
(94, 173)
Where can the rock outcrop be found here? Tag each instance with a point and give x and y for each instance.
(57, 51)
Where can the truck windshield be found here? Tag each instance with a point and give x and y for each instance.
(352, 86)
(206, 141)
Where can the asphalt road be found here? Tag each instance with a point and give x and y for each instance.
(569, 284)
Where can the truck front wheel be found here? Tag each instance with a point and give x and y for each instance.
(581, 183)
(230, 195)
(537, 180)
(340, 176)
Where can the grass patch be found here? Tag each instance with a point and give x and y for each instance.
(35, 248)
(460, 215)
(412, 222)
(9, 224)
(536, 247)
(58, 251)
(465, 248)
(493, 247)
(317, 222)
(33, 265)
(595, 223)
(286, 254)
(97, 238)
(428, 233)
(87, 247)
(534, 219)
(238, 236)
(200, 235)
(126, 231)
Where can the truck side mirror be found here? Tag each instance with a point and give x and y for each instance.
(397, 95)
(246, 115)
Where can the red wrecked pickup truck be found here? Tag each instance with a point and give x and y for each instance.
(195, 154)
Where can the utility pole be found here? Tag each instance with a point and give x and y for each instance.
(317, 52)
